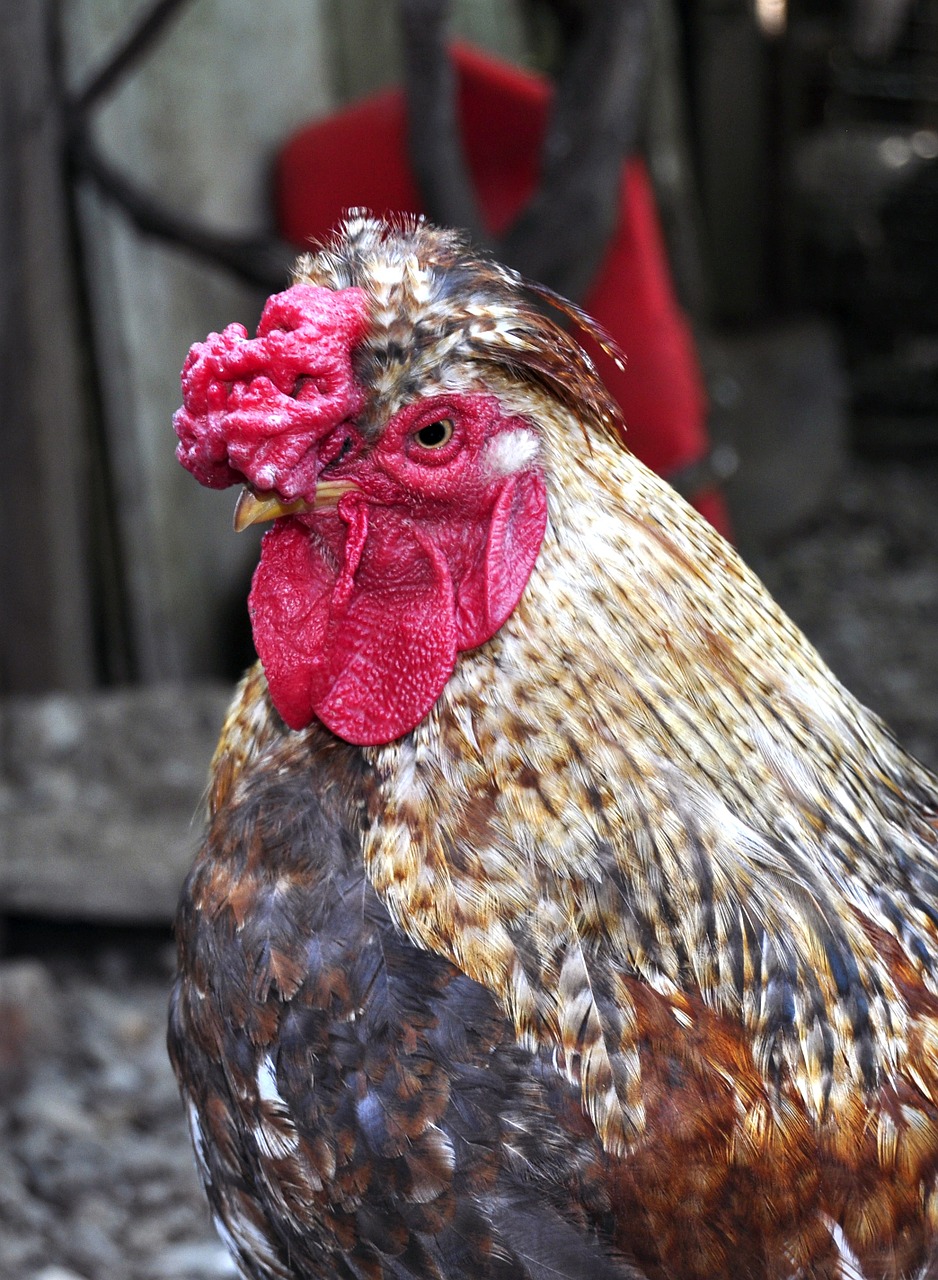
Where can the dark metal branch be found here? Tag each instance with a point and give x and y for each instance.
(434, 141)
(258, 260)
(561, 236)
(136, 42)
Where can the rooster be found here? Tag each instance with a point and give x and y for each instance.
(559, 914)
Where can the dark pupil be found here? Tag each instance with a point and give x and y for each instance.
(433, 433)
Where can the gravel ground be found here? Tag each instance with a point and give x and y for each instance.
(96, 1174)
(96, 1179)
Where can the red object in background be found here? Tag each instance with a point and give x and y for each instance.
(359, 158)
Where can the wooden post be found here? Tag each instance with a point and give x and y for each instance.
(733, 129)
(45, 593)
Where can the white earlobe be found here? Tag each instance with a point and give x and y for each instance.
(510, 451)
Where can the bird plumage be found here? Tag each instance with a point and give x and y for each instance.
(623, 956)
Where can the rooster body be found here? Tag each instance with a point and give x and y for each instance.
(597, 940)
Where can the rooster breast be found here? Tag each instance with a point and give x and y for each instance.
(357, 1105)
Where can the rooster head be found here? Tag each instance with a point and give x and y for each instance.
(368, 420)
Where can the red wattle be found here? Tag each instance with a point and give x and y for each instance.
(369, 664)
(358, 621)
(289, 606)
(393, 653)
(487, 596)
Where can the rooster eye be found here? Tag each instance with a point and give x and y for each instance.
(435, 434)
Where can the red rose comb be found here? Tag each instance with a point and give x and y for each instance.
(254, 409)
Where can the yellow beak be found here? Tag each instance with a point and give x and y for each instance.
(256, 508)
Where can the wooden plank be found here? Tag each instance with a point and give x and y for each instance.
(102, 799)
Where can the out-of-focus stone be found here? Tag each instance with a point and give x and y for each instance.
(101, 798)
(30, 1020)
(200, 1259)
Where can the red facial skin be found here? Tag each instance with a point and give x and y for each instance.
(359, 610)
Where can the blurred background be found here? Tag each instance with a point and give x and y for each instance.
(745, 192)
